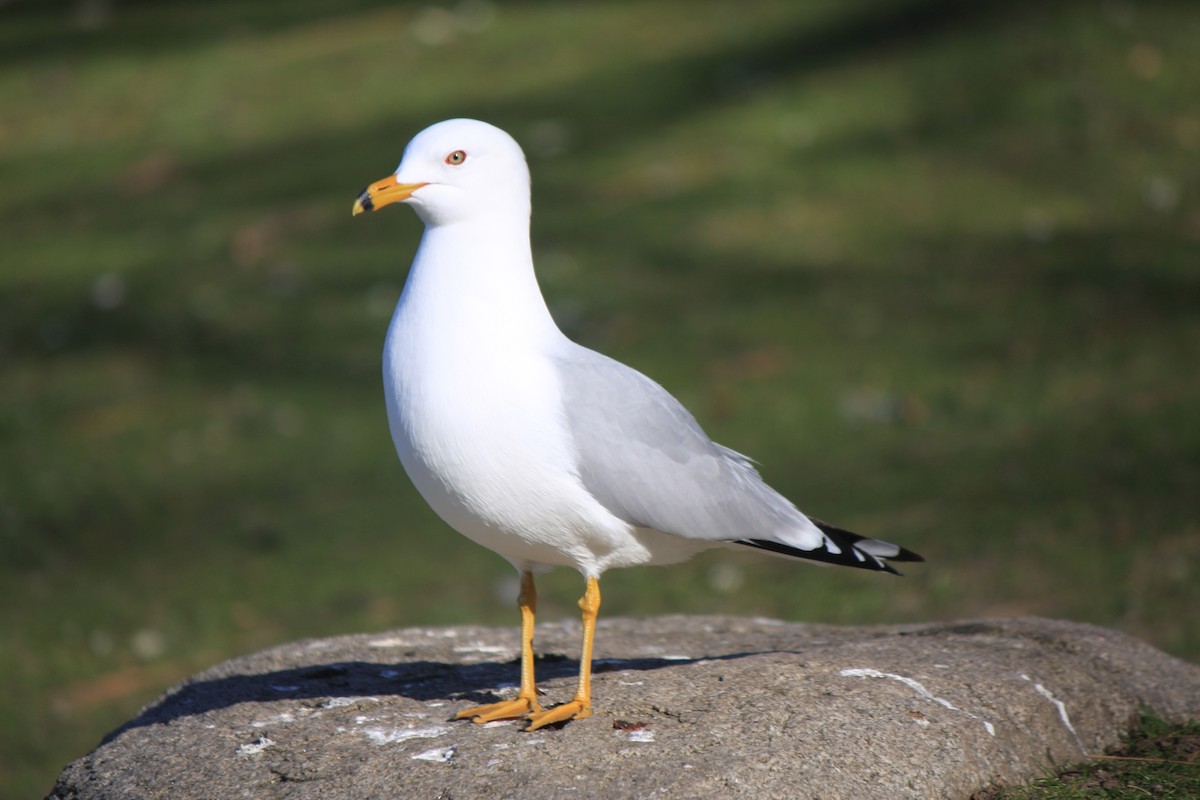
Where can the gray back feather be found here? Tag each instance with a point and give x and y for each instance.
(646, 459)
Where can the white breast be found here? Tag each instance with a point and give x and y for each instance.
(479, 429)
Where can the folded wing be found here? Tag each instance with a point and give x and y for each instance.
(646, 459)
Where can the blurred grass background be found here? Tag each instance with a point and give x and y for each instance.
(936, 265)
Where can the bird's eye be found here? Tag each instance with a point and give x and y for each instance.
(457, 157)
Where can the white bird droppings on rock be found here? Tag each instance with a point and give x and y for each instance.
(438, 755)
(383, 736)
(489, 649)
(919, 689)
(1062, 710)
(342, 702)
(255, 747)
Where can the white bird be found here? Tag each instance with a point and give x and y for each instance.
(546, 452)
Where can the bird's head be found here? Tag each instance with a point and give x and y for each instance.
(453, 171)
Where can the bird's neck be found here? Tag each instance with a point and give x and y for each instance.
(478, 276)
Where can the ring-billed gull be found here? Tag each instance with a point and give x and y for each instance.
(540, 449)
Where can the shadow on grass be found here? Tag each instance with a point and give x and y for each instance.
(45, 29)
(55, 28)
(261, 186)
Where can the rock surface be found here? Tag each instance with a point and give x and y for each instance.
(692, 707)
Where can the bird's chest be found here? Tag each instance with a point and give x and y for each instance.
(478, 427)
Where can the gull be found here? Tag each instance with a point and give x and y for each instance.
(546, 452)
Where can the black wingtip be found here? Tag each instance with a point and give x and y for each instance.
(849, 556)
(906, 555)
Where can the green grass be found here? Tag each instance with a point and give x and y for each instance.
(933, 264)
(1157, 760)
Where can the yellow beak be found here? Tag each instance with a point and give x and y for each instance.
(383, 193)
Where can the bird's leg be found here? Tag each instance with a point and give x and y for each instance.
(581, 705)
(526, 700)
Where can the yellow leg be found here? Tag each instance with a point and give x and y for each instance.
(581, 706)
(526, 700)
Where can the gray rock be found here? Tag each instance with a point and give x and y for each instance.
(691, 707)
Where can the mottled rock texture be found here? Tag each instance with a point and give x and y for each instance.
(686, 707)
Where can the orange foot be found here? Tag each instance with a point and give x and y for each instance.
(505, 709)
(576, 709)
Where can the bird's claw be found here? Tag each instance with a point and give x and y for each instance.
(576, 709)
(505, 709)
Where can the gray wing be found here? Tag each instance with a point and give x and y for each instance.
(645, 458)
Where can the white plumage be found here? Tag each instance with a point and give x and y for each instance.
(537, 448)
